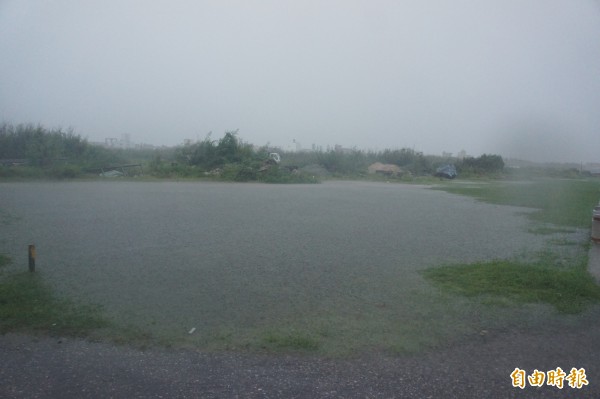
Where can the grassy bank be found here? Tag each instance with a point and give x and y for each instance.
(28, 304)
(569, 291)
(562, 202)
(566, 285)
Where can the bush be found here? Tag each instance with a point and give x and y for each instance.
(485, 164)
(41, 147)
(337, 162)
(65, 172)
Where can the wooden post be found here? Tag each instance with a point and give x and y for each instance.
(32, 258)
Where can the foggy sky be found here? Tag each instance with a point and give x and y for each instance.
(520, 78)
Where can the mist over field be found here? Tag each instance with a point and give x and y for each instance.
(515, 78)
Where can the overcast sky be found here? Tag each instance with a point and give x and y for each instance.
(520, 78)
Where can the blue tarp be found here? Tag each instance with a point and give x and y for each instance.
(447, 171)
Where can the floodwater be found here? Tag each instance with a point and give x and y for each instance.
(339, 259)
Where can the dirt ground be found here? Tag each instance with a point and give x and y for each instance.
(33, 367)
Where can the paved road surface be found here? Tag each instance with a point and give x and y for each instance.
(53, 368)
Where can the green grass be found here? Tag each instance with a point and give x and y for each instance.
(548, 230)
(549, 278)
(568, 290)
(562, 202)
(28, 304)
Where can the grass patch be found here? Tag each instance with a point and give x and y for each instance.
(548, 230)
(563, 202)
(549, 278)
(28, 304)
(568, 290)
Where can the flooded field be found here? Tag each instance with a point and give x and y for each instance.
(334, 266)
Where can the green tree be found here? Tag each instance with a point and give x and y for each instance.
(229, 147)
(486, 163)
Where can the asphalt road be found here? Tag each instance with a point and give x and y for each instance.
(58, 368)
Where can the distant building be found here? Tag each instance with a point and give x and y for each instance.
(113, 142)
(125, 140)
(110, 142)
(592, 168)
(123, 143)
(339, 148)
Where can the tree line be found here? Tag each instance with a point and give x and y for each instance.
(54, 152)
(65, 154)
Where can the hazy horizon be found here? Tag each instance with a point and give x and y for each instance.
(515, 78)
